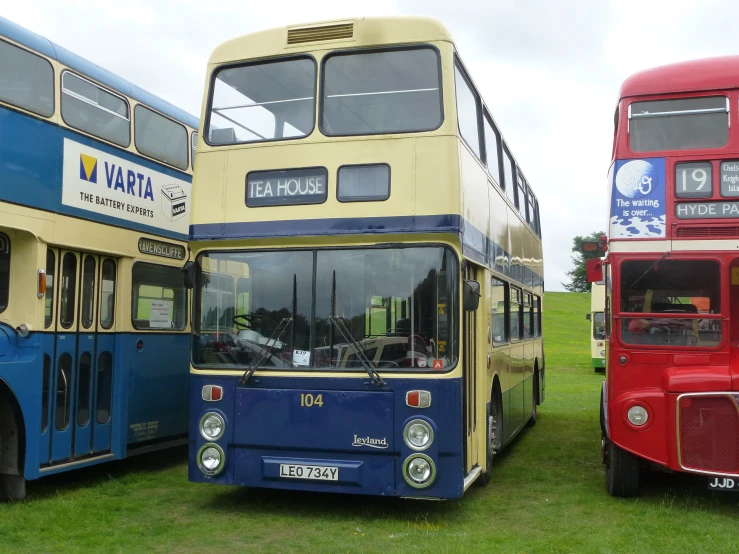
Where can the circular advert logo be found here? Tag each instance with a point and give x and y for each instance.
(636, 179)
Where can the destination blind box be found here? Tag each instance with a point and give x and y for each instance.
(173, 202)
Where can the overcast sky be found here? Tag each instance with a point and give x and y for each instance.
(549, 70)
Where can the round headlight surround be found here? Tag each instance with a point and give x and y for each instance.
(217, 469)
(201, 427)
(415, 424)
(638, 415)
(406, 471)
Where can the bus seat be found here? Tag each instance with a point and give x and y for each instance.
(402, 327)
(658, 307)
(223, 136)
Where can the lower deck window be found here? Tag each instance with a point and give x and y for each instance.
(675, 301)
(159, 298)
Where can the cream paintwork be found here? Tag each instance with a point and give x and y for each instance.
(597, 304)
(431, 173)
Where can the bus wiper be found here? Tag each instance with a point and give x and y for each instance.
(267, 350)
(280, 329)
(359, 350)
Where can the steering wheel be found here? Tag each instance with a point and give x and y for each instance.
(390, 363)
(247, 320)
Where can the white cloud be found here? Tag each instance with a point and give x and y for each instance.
(549, 71)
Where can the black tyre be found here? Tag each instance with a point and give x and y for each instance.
(622, 472)
(535, 397)
(494, 441)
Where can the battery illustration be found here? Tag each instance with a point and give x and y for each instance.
(173, 202)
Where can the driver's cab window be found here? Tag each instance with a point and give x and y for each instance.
(671, 302)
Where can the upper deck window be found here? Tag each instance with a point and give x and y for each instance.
(90, 108)
(159, 137)
(392, 91)
(467, 107)
(26, 80)
(679, 124)
(263, 101)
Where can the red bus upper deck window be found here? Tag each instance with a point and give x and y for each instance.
(679, 124)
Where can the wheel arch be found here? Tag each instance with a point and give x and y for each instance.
(12, 432)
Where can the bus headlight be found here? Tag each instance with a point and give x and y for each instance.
(637, 415)
(211, 459)
(212, 426)
(602, 353)
(418, 435)
(419, 471)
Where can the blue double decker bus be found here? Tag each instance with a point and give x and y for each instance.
(95, 186)
(367, 274)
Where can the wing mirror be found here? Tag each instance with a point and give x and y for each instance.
(471, 296)
(188, 274)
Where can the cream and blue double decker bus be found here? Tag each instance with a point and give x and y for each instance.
(367, 267)
(95, 179)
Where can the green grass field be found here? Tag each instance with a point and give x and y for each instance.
(547, 495)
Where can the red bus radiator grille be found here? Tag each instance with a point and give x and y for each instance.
(724, 231)
(709, 434)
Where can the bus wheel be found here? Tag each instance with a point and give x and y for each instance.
(622, 472)
(535, 400)
(494, 441)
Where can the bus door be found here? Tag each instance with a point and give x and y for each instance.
(470, 380)
(83, 376)
(734, 320)
(66, 354)
(102, 385)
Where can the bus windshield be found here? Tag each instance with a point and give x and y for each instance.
(673, 295)
(399, 306)
(679, 124)
(392, 91)
(263, 101)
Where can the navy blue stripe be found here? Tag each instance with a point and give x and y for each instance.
(476, 245)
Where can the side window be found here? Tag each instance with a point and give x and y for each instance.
(159, 137)
(159, 298)
(107, 294)
(538, 218)
(50, 288)
(87, 314)
(531, 213)
(90, 108)
(4, 271)
(516, 314)
(491, 149)
(509, 185)
(537, 316)
(68, 291)
(521, 194)
(501, 301)
(242, 295)
(467, 108)
(217, 302)
(193, 148)
(26, 80)
(528, 316)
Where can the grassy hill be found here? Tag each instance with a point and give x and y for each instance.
(547, 495)
(566, 331)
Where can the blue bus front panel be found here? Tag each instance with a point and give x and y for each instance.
(347, 434)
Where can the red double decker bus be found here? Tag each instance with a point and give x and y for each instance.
(671, 394)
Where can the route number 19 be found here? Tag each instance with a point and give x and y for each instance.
(308, 400)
